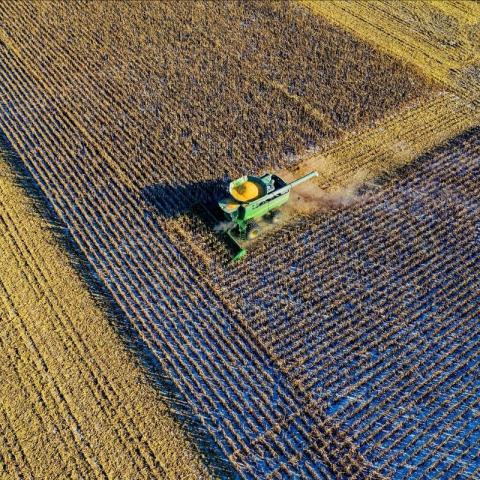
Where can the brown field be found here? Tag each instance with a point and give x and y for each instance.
(187, 87)
(437, 38)
(74, 402)
(298, 361)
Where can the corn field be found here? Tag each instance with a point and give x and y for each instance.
(346, 344)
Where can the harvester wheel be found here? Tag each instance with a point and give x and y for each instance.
(274, 216)
(252, 231)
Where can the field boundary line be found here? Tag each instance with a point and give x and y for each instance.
(41, 285)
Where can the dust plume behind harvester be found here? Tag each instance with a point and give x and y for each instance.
(253, 202)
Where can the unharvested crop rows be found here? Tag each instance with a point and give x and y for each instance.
(177, 99)
(65, 410)
(376, 315)
(293, 339)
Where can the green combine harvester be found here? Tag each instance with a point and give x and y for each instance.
(251, 199)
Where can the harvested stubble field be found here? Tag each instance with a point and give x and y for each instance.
(126, 116)
(374, 316)
(73, 402)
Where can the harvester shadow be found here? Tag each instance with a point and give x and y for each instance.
(171, 201)
(197, 202)
(155, 374)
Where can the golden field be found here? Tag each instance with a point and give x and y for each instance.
(335, 349)
(74, 402)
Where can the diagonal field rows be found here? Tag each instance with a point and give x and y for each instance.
(438, 38)
(33, 136)
(238, 431)
(201, 342)
(93, 149)
(65, 409)
(381, 321)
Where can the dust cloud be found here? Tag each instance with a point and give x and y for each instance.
(309, 197)
(223, 226)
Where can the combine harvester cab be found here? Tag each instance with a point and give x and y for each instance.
(252, 199)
